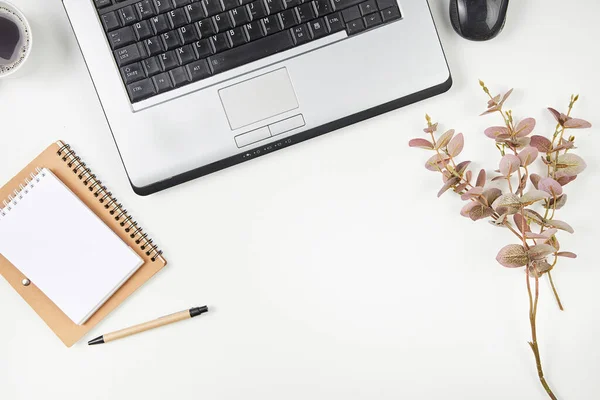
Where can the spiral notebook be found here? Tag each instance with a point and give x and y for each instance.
(67, 246)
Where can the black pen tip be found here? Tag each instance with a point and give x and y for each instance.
(194, 312)
(98, 340)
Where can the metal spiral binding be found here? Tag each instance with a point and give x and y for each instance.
(24, 189)
(110, 203)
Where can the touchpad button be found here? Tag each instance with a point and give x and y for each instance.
(258, 98)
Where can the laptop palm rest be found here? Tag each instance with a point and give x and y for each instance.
(258, 98)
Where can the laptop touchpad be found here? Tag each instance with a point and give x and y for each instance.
(258, 98)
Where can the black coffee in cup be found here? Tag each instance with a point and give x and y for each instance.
(10, 36)
(15, 38)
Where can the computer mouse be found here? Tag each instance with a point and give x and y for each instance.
(478, 19)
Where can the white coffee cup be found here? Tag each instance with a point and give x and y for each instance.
(21, 53)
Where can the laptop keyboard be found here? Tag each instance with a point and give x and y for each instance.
(160, 45)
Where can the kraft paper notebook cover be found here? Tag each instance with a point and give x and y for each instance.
(60, 161)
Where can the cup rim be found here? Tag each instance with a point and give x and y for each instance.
(20, 14)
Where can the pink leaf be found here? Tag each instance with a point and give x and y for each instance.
(505, 97)
(521, 223)
(444, 139)
(431, 129)
(471, 193)
(490, 195)
(461, 167)
(563, 226)
(570, 164)
(525, 127)
(535, 179)
(567, 254)
(480, 212)
(541, 143)
(555, 114)
(468, 176)
(563, 178)
(422, 143)
(513, 256)
(533, 196)
(456, 145)
(494, 131)
(467, 208)
(481, 178)
(528, 155)
(449, 183)
(540, 251)
(509, 164)
(576, 123)
(437, 162)
(550, 186)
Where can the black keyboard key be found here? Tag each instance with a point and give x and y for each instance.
(288, 19)
(229, 4)
(205, 28)
(110, 21)
(145, 9)
(323, 7)
(237, 37)
(317, 28)
(170, 40)
(306, 12)
(300, 35)
(251, 52)
(239, 16)
(162, 82)
(133, 73)
(153, 46)
(168, 60)
(188, 34)
(128, 55)
(102, 3)
(141, 90)
(203, 48)
(195, 12)
(178, 18)
(222, 22)
(121, 37)
(253, 30)
(270, 24)
(257, 10)
(350, 14)
(142, 30)
(274, 6)
(355, 26)
(391, 14)
(160, 24)
(163, 6)
(181, 3)
(198, 70)
(372, 20)
(151, 66)
(128, 15)
(185, 54)
(383, 4)
(368, 7)
(179, 77)
(219, 42)
(291, 3)
(334, 22)
(212, 7)
(342, 4)
(244, 2)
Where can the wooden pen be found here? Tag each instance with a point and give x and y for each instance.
(166, 320)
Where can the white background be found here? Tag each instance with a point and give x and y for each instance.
(331, 268)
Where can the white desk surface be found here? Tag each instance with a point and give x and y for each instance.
(331, 268)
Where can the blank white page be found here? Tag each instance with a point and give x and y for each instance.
(61, 246)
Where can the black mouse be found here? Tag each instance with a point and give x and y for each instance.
(478, 19)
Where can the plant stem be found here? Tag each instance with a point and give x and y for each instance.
(555, 292)
(534, 344)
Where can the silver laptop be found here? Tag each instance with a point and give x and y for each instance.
(192, 87)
